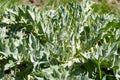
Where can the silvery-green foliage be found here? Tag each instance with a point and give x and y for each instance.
(69, 43)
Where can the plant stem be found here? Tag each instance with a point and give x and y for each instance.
(100, 74)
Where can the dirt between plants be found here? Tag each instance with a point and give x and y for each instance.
(42, 3)
(33, 2)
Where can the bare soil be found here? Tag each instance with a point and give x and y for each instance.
(42, 3)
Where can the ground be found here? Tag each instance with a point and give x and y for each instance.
(42, 3)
